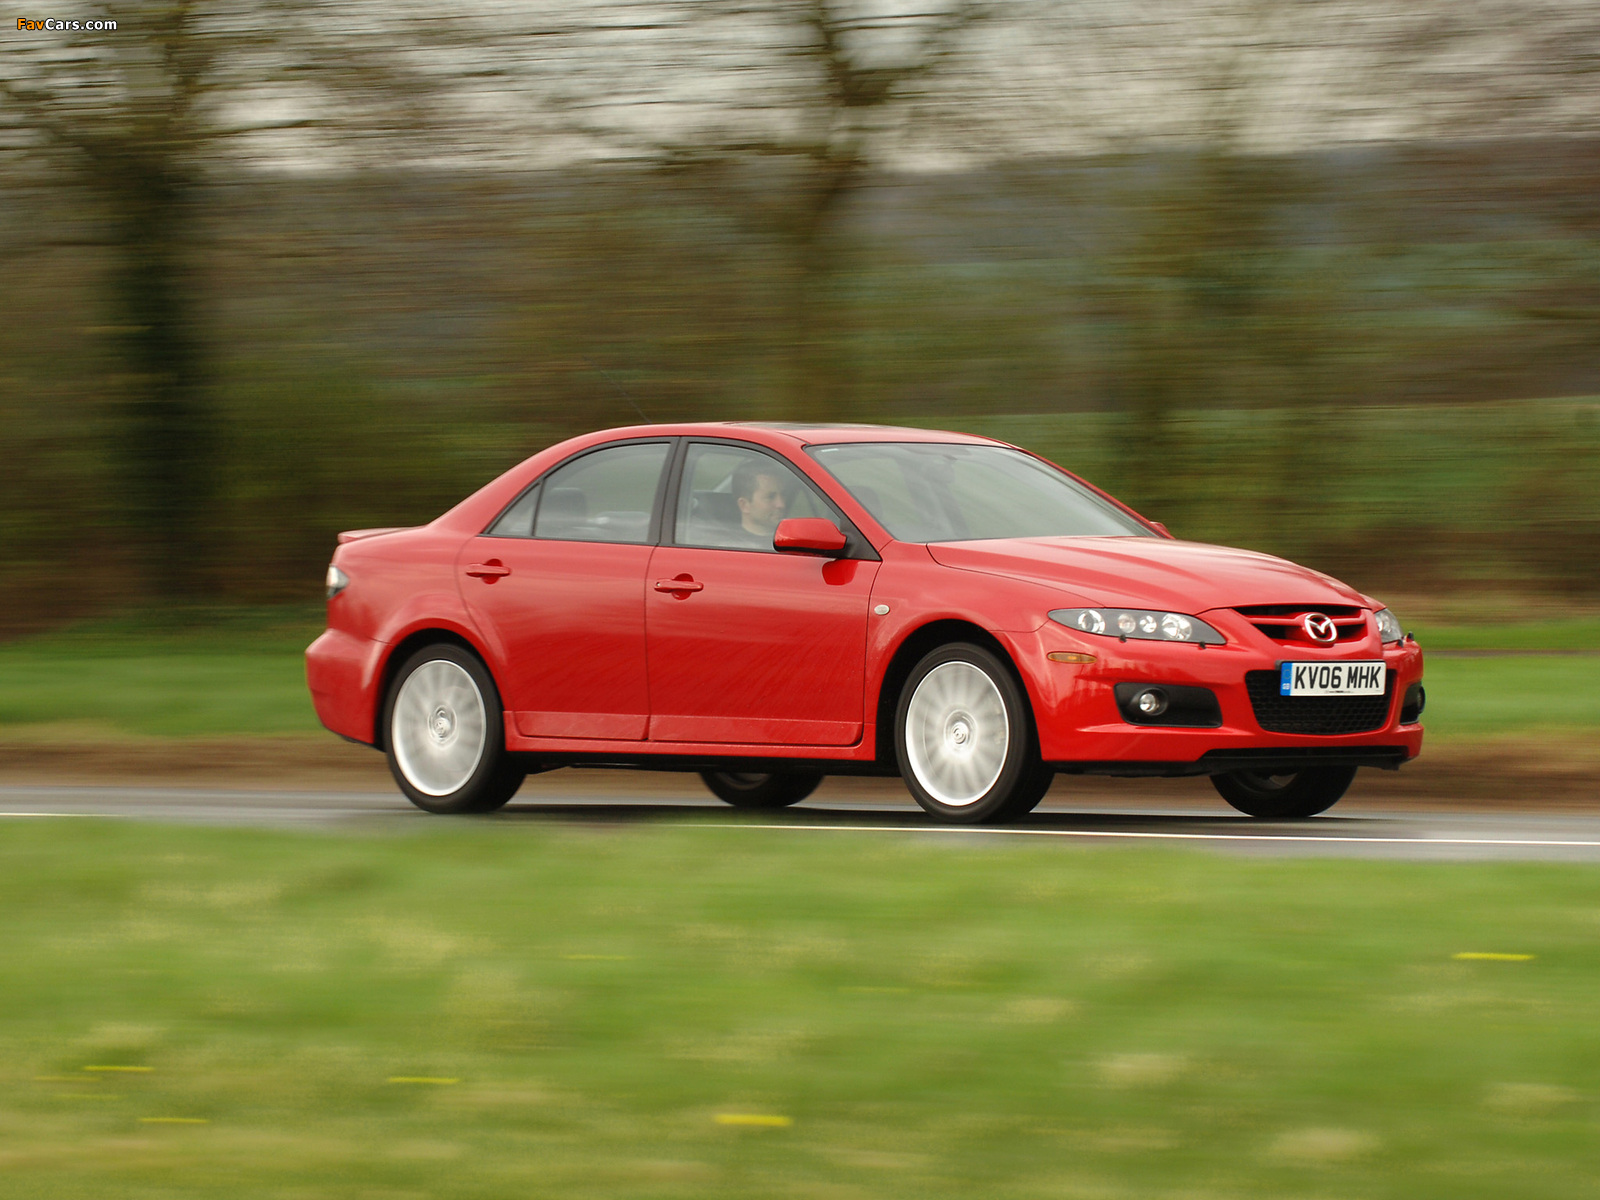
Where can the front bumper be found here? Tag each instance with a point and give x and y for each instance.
(1082, 729)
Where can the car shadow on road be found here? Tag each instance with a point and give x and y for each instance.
(914, 820)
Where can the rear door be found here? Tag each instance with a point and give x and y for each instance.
(748, 645)
(557, 586)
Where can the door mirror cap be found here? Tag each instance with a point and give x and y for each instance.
(809, 535)
(1165, 532)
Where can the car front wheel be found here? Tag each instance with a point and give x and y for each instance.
(1302, 794)
(754, 790)
(444, 734)
(964, 738)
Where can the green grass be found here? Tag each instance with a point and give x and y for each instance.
(192, 673)
(1469, 697)
(242, 672)
(221, 630)
(934, 1017)
(168, 695)
(1579, 633)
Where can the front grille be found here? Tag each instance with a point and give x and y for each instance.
(1282, 622)
(1325, 715)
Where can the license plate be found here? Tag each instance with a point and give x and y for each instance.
(1332, 679)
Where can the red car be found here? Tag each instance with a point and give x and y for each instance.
(767, 604)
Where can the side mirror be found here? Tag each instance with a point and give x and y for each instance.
(809, 535)
(1165, 532)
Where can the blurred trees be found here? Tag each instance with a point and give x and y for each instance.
(1211, 277)
(137, 107)
(843, 80)
(356, 259)
(121, 108)
(772, 111)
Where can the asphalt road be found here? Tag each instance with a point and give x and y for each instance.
(1359, 833)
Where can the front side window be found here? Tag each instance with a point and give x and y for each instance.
(603, 496)
(941, 492)
(732, 498)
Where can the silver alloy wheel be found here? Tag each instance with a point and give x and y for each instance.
(957, 733)
(439, 728)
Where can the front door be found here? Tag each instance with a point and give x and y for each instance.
(557, 586)
(748, 645)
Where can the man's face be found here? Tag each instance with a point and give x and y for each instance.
(761, 511)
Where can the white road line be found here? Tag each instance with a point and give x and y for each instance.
(1424, 840)
(1191, 837)
(53, 814)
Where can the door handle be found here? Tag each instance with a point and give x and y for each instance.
(678, 585)
(493, 569)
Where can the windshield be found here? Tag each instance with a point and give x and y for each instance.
(939, 492)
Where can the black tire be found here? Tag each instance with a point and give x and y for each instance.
(966, 745)
(444, 733)
(1030, 792)
(755, 790)
(1303, 794)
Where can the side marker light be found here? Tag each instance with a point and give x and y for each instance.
(1069, 656)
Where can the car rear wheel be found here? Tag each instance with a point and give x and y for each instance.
(964, 738)
(444, 734)
(1301, 794)
(755, 790)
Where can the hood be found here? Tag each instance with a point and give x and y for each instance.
(1139, 572)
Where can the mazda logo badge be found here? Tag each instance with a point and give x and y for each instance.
(1319, 627)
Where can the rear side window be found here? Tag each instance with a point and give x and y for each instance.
(603, 496)
(517, 521)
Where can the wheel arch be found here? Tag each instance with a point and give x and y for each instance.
(910, 652)
(404, 649)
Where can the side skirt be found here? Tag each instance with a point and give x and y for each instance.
(705, 762)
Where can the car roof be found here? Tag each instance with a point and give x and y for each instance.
(475, 511)
(795, 432)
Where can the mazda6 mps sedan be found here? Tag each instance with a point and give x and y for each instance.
(767, 604)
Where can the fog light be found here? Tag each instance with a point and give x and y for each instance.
(1412, 704)
(1152, 702)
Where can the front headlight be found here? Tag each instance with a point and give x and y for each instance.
(336, 581)
(1139, 623)
(1388, 626)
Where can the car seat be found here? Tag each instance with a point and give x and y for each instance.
(714, 519)
(563, 513)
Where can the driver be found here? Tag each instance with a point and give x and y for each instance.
(758, 490)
